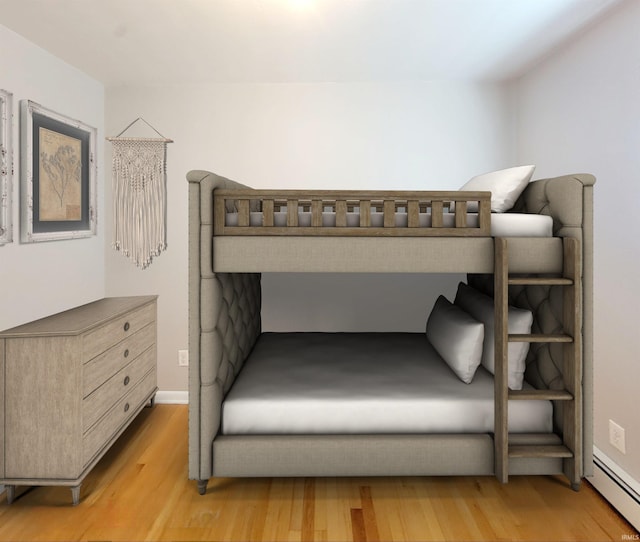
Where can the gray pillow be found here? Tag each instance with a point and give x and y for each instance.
(481, 307)
(457, 337)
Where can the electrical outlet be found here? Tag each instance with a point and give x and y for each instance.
(616, 436)
(183, 358)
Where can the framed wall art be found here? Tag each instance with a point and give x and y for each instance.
(58, 176)
(6, 167)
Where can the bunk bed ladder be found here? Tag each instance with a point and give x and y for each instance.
(570, 446)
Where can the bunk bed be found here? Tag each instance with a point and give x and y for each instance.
(271, 404)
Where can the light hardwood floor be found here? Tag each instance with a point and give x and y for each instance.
(140, 491)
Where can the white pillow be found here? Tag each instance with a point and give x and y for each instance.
(505, 187)
(457, 337)
(481, 307)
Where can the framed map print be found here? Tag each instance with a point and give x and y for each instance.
(6, 167)
(58, 176)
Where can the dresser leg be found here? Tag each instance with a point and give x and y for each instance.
(11, 494)
(75, 495)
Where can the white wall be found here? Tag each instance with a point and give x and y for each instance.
(426, 135)
(43, 278)
(580, 111)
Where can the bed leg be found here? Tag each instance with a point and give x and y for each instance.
(575, 485)
(202, 486)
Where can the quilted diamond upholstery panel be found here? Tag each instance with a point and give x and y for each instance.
(561, 198)
(234, 315)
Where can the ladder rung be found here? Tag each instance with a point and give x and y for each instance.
(549, 395)
(539, 338)
(540, 281)
(558, 450)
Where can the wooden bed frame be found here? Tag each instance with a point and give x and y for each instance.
(542, 274)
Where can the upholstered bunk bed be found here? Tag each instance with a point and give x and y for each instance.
(402, 404)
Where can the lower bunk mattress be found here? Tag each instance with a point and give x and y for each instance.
(364, 383)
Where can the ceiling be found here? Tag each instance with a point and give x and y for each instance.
(149, 42)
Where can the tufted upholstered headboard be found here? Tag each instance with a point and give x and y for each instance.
(569, 201)
(224, 322)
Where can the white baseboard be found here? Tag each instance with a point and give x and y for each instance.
(615, 485)
(172, 397)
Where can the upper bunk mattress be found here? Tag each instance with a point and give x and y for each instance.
(502, 224)
(521, 225)
(363, 383)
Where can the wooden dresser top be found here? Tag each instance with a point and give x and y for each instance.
(79, 319)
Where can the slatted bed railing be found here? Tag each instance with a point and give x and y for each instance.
(352, 213)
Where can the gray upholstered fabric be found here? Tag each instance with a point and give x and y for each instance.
(219, 314)
(381, 254)
(367, 455)
(224, 323)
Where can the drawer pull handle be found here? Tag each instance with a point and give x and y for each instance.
(126, 326)
(126, 380)
(126, 407)
(126, 353)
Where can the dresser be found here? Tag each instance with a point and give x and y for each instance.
(70, 384)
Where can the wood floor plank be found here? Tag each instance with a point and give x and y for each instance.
(358, 529)
(279, 510)
(140, 491)
(369, 515)
(338, 515)
(308, 509)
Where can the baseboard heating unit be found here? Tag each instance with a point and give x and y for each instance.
(615, 485)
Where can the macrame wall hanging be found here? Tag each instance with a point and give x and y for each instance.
(139, 195)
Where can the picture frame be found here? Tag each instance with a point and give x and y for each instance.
(6, 167)
(59, 172)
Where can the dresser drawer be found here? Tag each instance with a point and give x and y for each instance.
(102, 432)
(102, 367)
(95, 342)
(101, 400)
